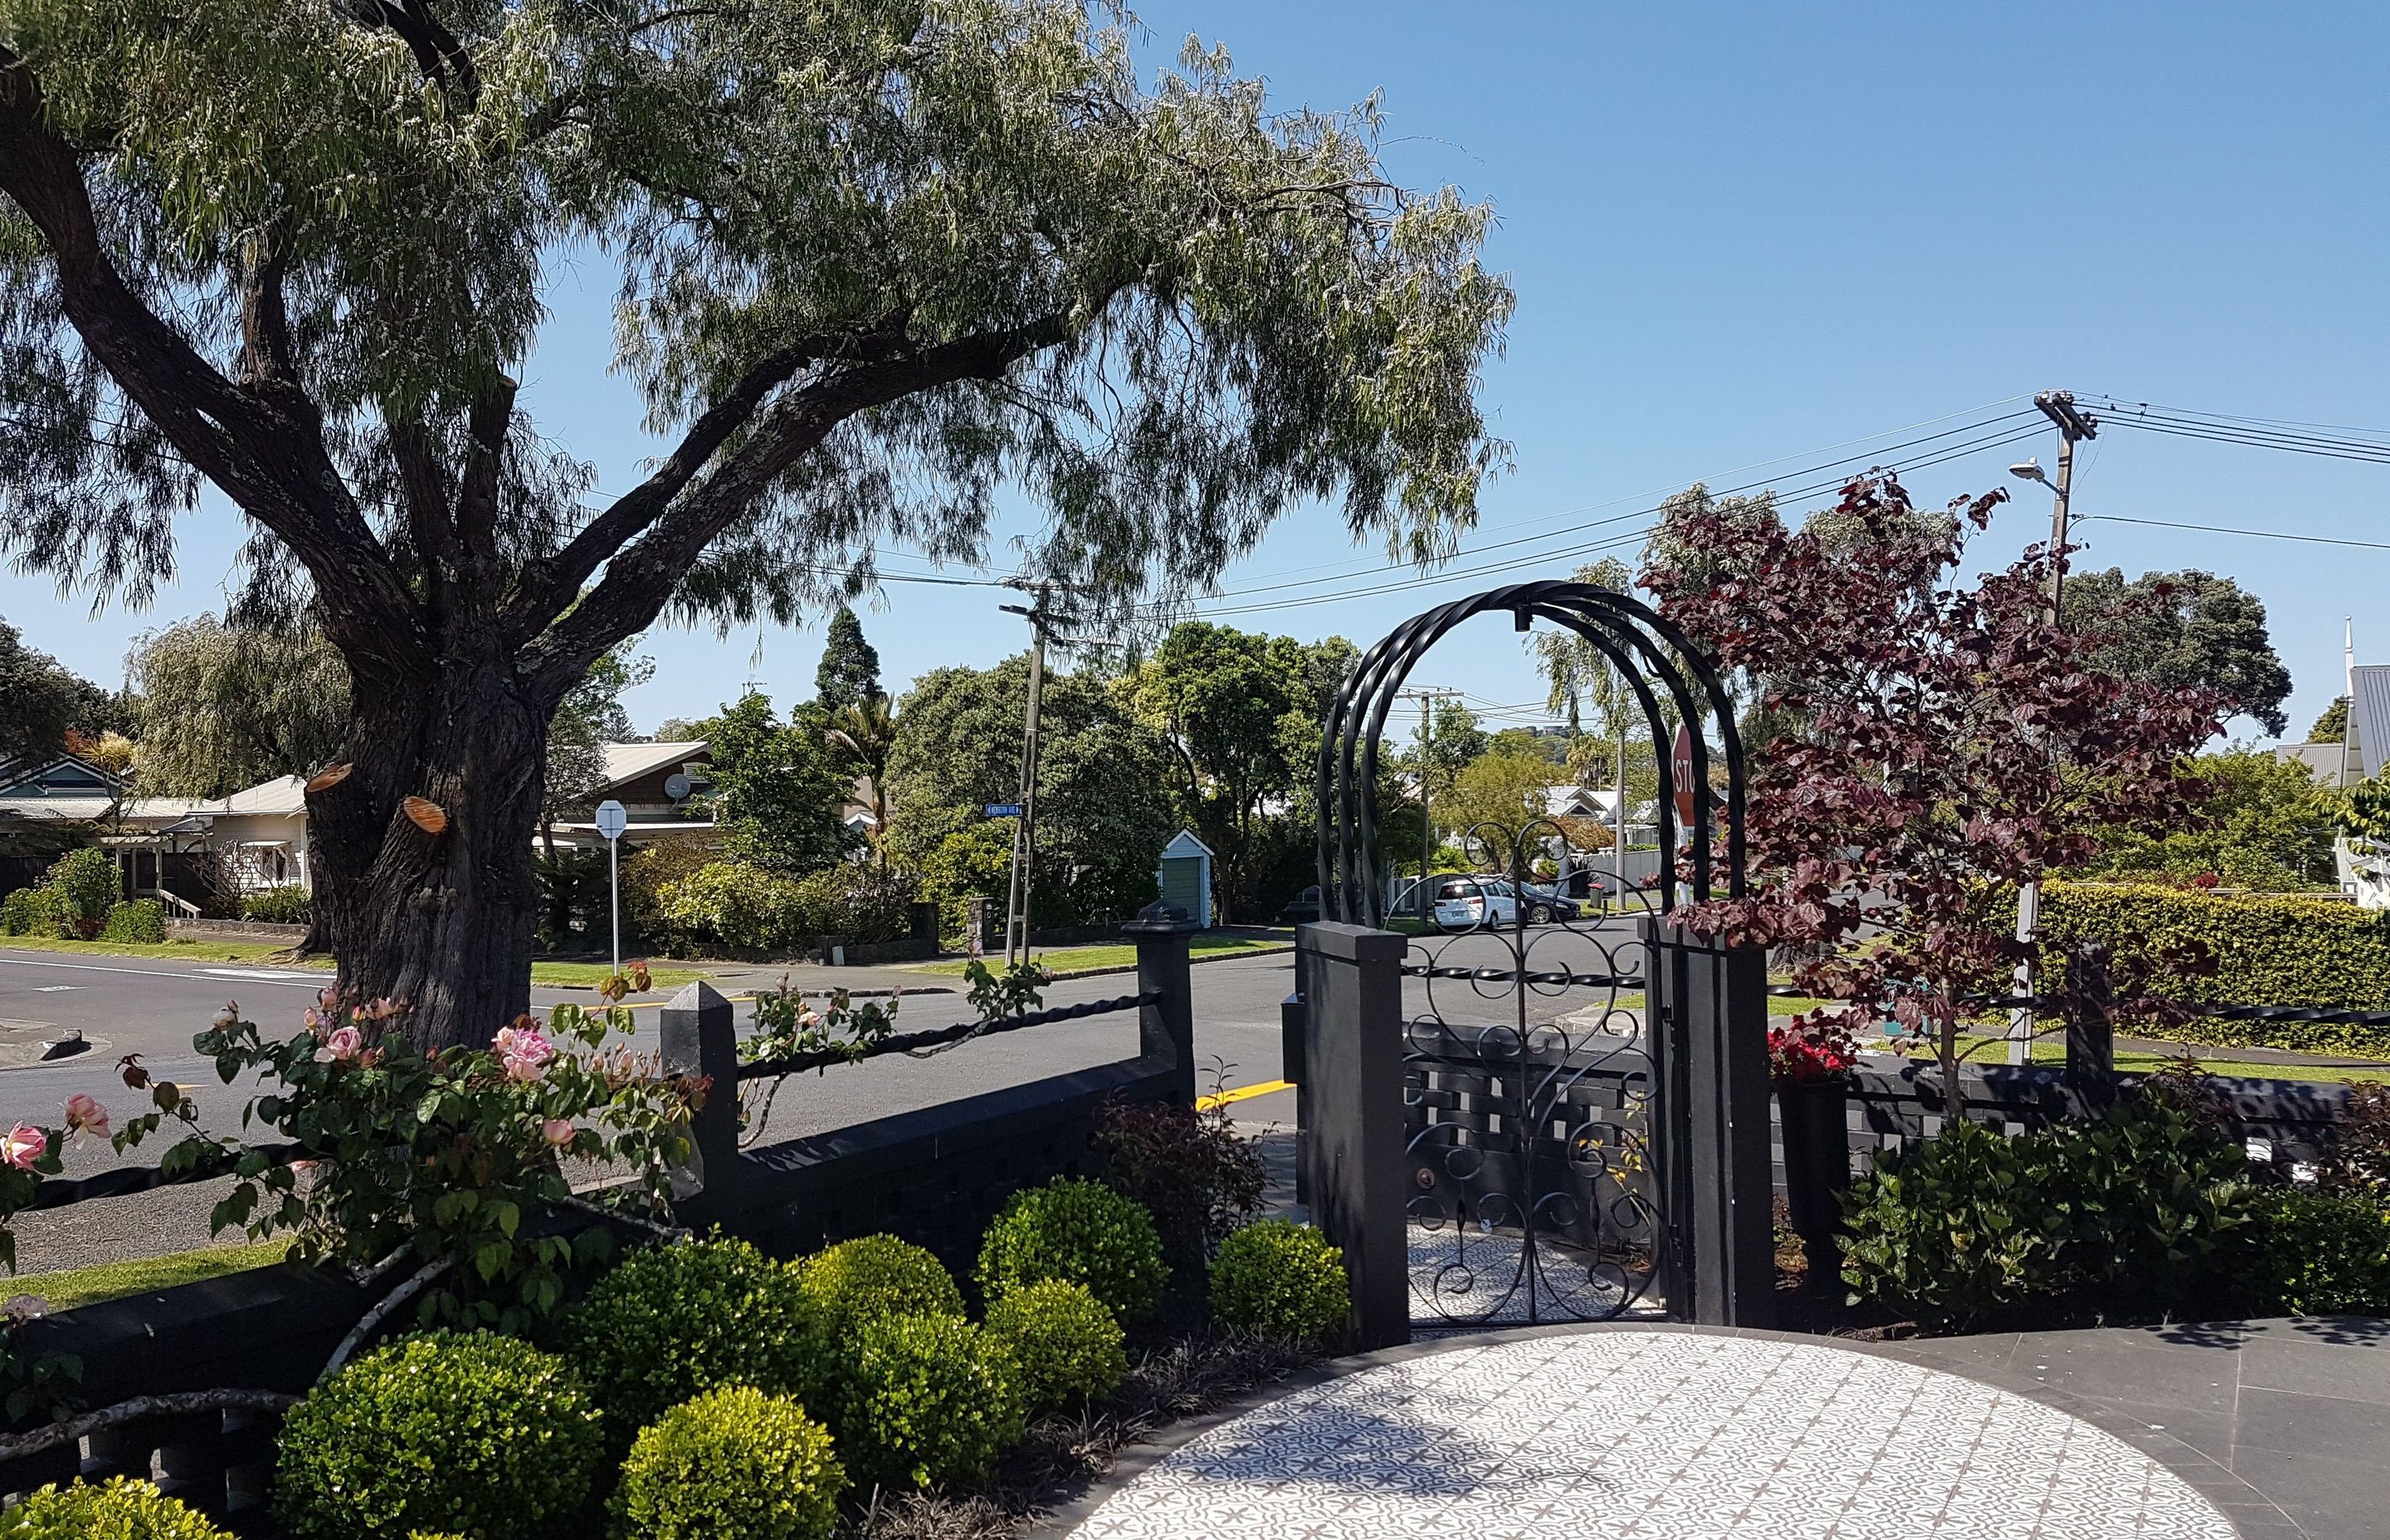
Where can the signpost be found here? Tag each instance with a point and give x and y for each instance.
(612, 822)
(1681, 771)
(1004, 810)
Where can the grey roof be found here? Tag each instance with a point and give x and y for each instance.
(2369, 714)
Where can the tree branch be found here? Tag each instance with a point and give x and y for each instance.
(440, 58)
(477, 499)
(549, 587)
(423, 492)
(639, 581)
(264, 322)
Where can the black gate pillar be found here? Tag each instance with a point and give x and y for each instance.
(1706, 1017)
(1355, 1171)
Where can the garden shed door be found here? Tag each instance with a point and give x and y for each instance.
(1185, 876)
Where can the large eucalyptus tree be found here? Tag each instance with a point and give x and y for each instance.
(878, 258)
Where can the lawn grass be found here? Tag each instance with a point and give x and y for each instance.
(594, 973)
(1073, 959)
(114, 1280)
(183, 948)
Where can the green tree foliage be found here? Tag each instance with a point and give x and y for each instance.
(2332, 726)
(1495, 798)
(874, 263)
(778, 790)
(1242, 712)
(863, 734)
(591, 717)
(222, 705)
(1103, 792)
(849, 671)
(2263, 823)
(41, 701)
(2173, 629)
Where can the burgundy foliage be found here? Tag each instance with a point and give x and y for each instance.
(1926, 749)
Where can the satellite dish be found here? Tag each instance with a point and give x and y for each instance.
(676, 786)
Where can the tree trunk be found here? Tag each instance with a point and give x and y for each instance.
(433, 901)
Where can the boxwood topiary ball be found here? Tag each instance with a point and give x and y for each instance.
(469, 1432)
(928, 1399)
(1065, 1343)
(1080, 1232)
(122, 1509)
(676, 1320)
(732, 1463)
(1283, 1280)
(876, 1276)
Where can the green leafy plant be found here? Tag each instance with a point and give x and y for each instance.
(83, 883)
(857, 903)
(1281, 1280)
(1014, 991)
(287, 905)
(1082, 1232)
(141, 919)
(927, 1399)
(675, 1320)
(738, 905)
(1187, 1167)
(2358, 1161)
(24, 912)
(2139, 1205)
(445, 1155)
(733, 1464)
(873, 1277)
(472, 1432)
(1065, 1345)
(787, 1023)
(121, 1509)
(2312, 1254)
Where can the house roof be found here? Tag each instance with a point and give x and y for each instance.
(2370, 707)
(58, 788)
(628, 761)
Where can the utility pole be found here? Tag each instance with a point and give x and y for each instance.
(1427, 697)
(1024, 824)
(2059, 407)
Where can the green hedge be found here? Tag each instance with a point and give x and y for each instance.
(2271, 949)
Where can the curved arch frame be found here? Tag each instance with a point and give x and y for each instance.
(1645, 649)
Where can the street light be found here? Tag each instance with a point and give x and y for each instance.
(2030, 470)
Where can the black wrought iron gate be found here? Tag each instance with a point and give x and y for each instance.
(1570, 1135)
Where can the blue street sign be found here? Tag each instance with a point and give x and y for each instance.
(1004, 810)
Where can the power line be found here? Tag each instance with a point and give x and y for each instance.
(2220, 529)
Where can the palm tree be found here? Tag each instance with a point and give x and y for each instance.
(865, 735)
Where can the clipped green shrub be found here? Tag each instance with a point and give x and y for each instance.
(2271, 949)
(928, 1399)
(25, 911)
(122, 1509)
(472, 1432)
(1065, 1345)
(1082, 1232)
(735, 904)
(675, 1320)
(143, 920)
(287, 905)
(2312, 1254)
(875, 1276)
(1284, 1280)
(733, 1464)
(857, 903)
(2141, 1206)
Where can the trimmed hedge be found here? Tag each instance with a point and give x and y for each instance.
(287, 905)
(2271, 949)
(1080, 1232)
(1281, 1280)
(2320, 1255)
(123, 1510)
(143, 920)
(930, 1399)
(1065, 1343)
(734, 1464)
(874, 1276)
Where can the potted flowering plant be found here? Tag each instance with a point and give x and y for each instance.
(1809, 1065)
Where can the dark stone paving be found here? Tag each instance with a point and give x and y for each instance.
(2283, 1424)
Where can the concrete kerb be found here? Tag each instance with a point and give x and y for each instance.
(2229, 1493)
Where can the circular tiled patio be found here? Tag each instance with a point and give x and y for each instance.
(1659, 1435)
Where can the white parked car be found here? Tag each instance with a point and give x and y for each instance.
(1463, 904)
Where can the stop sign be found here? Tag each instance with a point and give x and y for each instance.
(1682, 771)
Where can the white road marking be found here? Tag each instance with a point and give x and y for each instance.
(272, 976)
(157, 972)
(55, 989)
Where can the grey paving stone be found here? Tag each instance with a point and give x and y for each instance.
(2318, 1426)
(2125, 1366)
(2305, 1366)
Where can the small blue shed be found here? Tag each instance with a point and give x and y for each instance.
(1185, 876)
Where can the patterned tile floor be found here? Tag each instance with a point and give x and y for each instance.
(1657, 1435)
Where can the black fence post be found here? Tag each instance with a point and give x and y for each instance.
(1294, 1017)
(1706, 1017)
(2091, 1027)
(700, 1038)
(1166, 1027)
(1357, 1175)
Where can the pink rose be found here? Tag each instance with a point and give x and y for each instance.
(523, 1052)
(556, 1131)
(24, 1145)
(345, 1044)
(84, 1114)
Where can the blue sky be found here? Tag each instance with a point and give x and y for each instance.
(1740, 233)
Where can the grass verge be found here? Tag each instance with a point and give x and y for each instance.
(191, 949)
(1078, 959)
(115, 1280)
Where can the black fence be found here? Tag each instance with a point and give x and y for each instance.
(934, 1175)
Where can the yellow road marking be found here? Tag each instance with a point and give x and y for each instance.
(1242, 1093)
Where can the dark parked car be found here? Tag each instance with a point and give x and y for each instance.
(1303, 910)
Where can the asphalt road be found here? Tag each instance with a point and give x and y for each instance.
(153, 1008)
